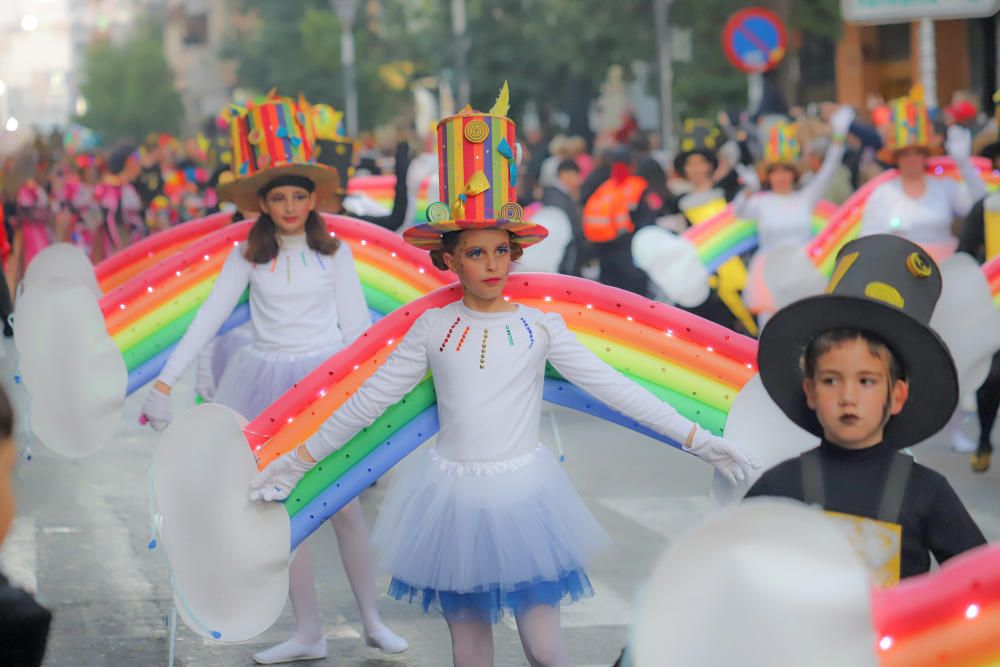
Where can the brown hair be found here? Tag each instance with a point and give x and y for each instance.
(262, 241)
(6, 416)
(831, 339)
(449, 241)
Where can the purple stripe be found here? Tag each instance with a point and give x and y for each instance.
(488, 213)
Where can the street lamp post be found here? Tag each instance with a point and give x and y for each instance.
(661, 17)
(461, 51)
(346, 9)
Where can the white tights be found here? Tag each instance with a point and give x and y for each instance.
(541, 637)
(352, 538)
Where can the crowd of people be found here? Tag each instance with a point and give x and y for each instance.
(486, 522)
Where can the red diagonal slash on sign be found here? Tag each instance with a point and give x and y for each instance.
(761, 46)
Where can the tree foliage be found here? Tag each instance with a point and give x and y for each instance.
(129, 88)
(553, 52)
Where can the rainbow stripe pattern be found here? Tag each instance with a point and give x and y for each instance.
(273, 133)
(991, 270)
(846, 222)
(782, 145)
(725, 236)
(477, 171)
(910, 124)
(382, 189)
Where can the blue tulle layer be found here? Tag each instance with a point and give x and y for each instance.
(491, 604)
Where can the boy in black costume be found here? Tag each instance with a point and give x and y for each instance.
(860, 367)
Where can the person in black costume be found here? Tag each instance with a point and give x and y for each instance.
(972, 241)
(339, 154)
(24, 624)
(860, 367)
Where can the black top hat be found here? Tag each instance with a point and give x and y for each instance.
(339, 154)
(701, 137)
(884, 285)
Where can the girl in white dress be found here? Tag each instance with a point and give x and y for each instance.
(486, 522)
(306, 304)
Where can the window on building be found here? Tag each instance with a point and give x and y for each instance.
(894, 42)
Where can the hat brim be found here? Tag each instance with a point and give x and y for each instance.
(244, 192)
(930, 369)
(428, 236)
(887, 155)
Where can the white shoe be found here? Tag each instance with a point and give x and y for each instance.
(960, 442)
(292, 651)
(386, 641)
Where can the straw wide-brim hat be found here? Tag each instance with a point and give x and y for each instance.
(245, 192)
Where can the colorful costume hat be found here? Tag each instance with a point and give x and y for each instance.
(332, 148)
(884, 285)
(478, 175)
(909, 127)
(782, 145)
(270, 139)
(700, 137)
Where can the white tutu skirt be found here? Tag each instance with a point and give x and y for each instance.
(226, 346)
(476, 540)
(254, 378)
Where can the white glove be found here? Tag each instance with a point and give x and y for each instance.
(733, 463)
(748, 177)
(841, 119)
(156, 410)
(959, 143)
(204, 379)
(276, 481)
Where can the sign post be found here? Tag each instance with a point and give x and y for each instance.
(754, 41)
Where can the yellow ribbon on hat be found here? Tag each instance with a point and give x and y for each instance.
(478, 184)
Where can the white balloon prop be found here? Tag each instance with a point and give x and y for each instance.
(967, 320)
(672, 263)
(790, 275)
(546, 257)
(61, 260)
(771, 583)
(229, 555)
(757, 425)
(75, 373)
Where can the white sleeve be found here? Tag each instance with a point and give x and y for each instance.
(746, 205)
(973, 188)
(877, 212)
(352, 309)
(225, 294)
(817, 185)
(587, 371)
(404, 368)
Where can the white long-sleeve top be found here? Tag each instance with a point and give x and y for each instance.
(927, 220)
(300, 302)
(488, 371)
(787, 219)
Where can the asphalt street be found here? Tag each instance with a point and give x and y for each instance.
(82, 534)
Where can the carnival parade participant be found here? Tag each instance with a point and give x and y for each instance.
(861, 367)
(306, 304)
(697, 163)
(916, 206)
(486, 522)
(784, 213)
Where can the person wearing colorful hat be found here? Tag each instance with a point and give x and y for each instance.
(782, 212)
(697, 162)
(860, 367)
(338, 152)
(486, 522)
(980, 238)
(306, 304)
(918, 206)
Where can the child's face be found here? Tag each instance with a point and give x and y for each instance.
(851, 394)
(8, 459)
(482, 262)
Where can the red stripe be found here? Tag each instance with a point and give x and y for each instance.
(269, 122)
(442, 168)
(472, 204)
(512, 141)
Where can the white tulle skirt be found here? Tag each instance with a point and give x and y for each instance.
(475, 540)
(228, 344)
(254, 378)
